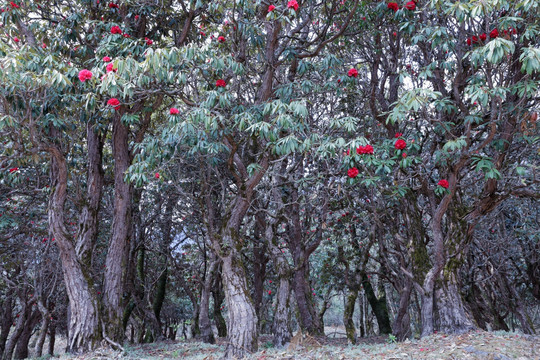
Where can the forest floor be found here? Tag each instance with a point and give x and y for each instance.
(475, 345)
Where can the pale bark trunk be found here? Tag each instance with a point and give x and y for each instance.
(242, 324)
(83, 326)
(45, 318)
(117, 255)
(402, 321)
(281, 326)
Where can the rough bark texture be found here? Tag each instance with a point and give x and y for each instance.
(5, 322)
(116, 261)
(16, 333)
(21, 351)
(453, 317)
(378, 306)
(219, 296)
(242, 324)
(83, 326)
(281, 327)
(52, 340)
(402, 321)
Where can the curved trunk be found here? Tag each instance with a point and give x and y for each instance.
(52, 339)
(5, 322)
(309, 321)
(45, 317)
(242, 324)
(117, 255)
(16, 334)
(21, 351)
(350, 329)
(378, 306)
(402, 322)
(83, 326)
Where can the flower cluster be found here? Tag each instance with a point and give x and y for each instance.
(400, 144)
(116, 30)
(352, 172)
(221, 83)
(293, 4)
(353, 72)
(85, 75)
(114, 102)
(368, 149)
(443, 183)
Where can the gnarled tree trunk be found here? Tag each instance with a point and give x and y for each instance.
(350, 329)
(207, 334)
(453, 317)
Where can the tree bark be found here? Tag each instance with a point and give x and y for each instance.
(207, 334)
(378, 306)
(83, 326)
(5, 322)
(21, 351)
(117, 255)
(453, 317)
(219, 296)
(242, 324)
(281, 326)
(402, 321)
(16, 334)
(52, 339)
(350, 329)
(45, 318)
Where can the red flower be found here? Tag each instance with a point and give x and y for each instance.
(271, 8)
(352, 72)
(85, 75)
(393, 6)
(106, 59)
(400, 144)
(444, 183)
(368, 149)
(113, 5)
(110, 68)
(411, 5)
(136, 17)
(483, 37)
(16, 39)
(43, 46)
(494, 34)
(398, 135)
(469, 41)
(475, 39)
(157, 175)
(114, 102)
(116, 30)
(13, 5)
(404, 155)
(127, 35)
(269, 292)
(352, 172)
(394, 33)
(148, 41)
(221, 83)
(292, 4)
(221, 39)
(174, 111)
(12, 170)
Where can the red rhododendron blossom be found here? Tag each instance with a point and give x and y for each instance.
(116, 30)
(16, 39)
(469, 41)
(292, 4)
(136, 17)
(368, 149)
(221, 83)
(475, 39)
(411, 5)
(157, 175)
(393, 6)
(352, 72)
(110, 67)
(43, 46)
(221, 39)
(444, 183)
(85, 75)
(271, 8)
(400, 144)
(114, 102)
(494, 34)
(483, 37)
(106, 59)
(113, 5)
(404, 155)
(352, 172)
(12, 170)
(398, 135)
(127, 35)
(13, 5)
(174, 111)
(148, 41)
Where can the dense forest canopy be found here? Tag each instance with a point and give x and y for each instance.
(255, 167)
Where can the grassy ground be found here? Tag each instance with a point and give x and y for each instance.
(476, 345)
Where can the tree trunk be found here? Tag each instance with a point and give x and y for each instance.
(21, 351)
(52, 339)
(117, 255)
(281, 326)
(309, 321)
(402, 321)
(219, 296)
(207, 334)
(16, 334)
(453, 317)
(242, 324)
(378, 306)
(5, 322)
(45, 319)
(350, 300)
(83, 326)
